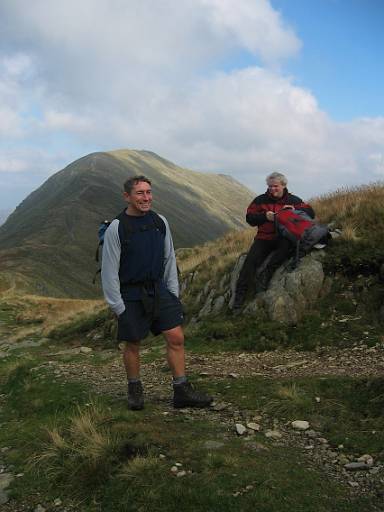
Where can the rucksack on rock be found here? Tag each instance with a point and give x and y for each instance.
(301, 230)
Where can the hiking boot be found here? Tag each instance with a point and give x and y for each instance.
(135, 396)
(185, 395)
(239, 299)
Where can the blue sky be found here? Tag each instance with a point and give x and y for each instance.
(242, 88)
(341, 58)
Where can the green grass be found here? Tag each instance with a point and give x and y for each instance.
(82, 324)
(350, 411)
(103, 457)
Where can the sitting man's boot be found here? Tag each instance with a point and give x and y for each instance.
(239, 299)
(185, 395)
(135, 396)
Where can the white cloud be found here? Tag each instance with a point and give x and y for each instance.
(255, 26)
(65, 121)
(12, 165)
(148, 75)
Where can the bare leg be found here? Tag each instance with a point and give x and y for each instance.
(175, 350)
(131, 359)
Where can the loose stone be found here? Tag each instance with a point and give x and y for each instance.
(86, 350)
(300, 425)
(240, 429)
(273, 434)
(356, 466)
(368, 459)
(253, 426)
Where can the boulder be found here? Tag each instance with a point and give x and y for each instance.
(289, 295)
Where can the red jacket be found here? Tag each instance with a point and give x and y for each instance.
(256, 212)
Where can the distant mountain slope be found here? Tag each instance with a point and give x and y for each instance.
(3, 215)
(47, 244)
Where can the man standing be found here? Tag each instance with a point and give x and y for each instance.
(140, 284)
(261, 213)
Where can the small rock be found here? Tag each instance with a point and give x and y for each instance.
(317, 399)
(253, 426)
(300, 425)
(39, 508)
(233, 375)
(356, 466)
(181, 473)
(273, 434)
(86, 350)
(5, 480)
(57, 502)
(240, 429)
(353, 484)
(368, 459)
(174, 469)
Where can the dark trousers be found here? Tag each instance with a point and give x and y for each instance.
(278, 249)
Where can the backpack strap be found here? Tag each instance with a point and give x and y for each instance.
(156, 223)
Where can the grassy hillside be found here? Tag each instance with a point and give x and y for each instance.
(48, 243)
(357, 212)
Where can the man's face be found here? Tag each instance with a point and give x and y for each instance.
(140, 198)
(276, 188)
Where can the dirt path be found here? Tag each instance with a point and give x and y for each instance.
(109, 378)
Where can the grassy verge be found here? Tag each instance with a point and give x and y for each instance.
(348, 412)
(102, 457)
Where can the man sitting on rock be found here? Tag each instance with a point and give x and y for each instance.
(267, 243)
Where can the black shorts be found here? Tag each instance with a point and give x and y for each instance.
(134, 323)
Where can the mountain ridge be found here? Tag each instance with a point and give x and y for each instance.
(49, 240)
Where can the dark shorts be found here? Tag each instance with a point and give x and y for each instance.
(134, 324)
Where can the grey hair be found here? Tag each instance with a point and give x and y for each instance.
(277, 176)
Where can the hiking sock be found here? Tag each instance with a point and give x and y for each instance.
(176, 381)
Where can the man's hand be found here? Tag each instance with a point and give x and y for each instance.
(270, 216)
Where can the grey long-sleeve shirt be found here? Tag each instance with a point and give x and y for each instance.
(111, 264)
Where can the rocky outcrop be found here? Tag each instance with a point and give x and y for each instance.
(289, 295)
